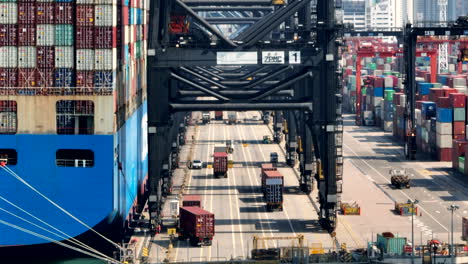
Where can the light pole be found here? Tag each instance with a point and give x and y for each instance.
(412, 227)
(452, 208)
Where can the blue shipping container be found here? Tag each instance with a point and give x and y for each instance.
(445, 115)
(378, 91)
(428, 109)
(64, 77)
(104, 79)
(139, 16)
(424, 88)
(442, 79)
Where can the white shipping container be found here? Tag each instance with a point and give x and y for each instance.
(8, 57)
(459, 82)
(378, 101)
(462, 90)
(444, 128)
(380, 61)
(387, 67)
(451, 67)
(465, 67)
(45, 35)
(145, 4)
(97, 2)
(64, 57)
(378, 72)
(364, 72)
(444, 141)
(418, 117)
(388, 126)
(105, 15)
(44, 1)
(105, 59)
(8, 13)
(145, 17)
(85, 59)
(132, 34)
(403, 100)
(388, 82)
(27, 57)
(126, 34)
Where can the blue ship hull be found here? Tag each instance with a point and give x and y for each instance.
(102, 196)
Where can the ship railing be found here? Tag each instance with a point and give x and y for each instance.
(56, 91)
(81, 163)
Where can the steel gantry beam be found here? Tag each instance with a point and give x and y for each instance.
(296, 78)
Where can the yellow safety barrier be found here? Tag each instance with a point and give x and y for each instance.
(316, 248)
(350, 209)
(145, 252)
(171, 231)
(245, 145)
(209, 166)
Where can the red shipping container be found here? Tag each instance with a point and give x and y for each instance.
(84, 37)
(435, 93)
(125, 15)
(443, 102)
(26, 13)
(85, 79)
(459, 147)
(27, 77)
(63, 13)
(459, 127)
(45, 77)
(424, 97)
(448, 91)
(85, 15)
(457, 100)
(26, 35)
(105, 37)
(45, 12)
(396, 98)
(444, 154)
(45, 57)
(459, 137)
(145, 32)
(8, 35)
(379, 82)
(8, 77)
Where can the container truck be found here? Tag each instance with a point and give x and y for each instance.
(391, 244)
(232, 118)
(274, 184)
(218, 115)
(265, 167)
(206, 117)
(191, 200)
(220, 164)
(196, 224)
(220, 148)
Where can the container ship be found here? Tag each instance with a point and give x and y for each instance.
(73, 117)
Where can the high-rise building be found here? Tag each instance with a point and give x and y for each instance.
(354, 12)
(429, 10)
(381, 14)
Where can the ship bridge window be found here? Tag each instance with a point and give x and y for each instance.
(74, 158)
(9, 155)
(8, 117)
(75, 117)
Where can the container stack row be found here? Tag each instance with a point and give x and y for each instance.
(65, 43)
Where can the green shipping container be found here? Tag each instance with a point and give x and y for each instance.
(461, 164)
(436, 85)
(459, 114)
(63, 35)
(138, 49)
(397, 74)
(389, 60)
(364, 91)
(389, 95)
(392, 245)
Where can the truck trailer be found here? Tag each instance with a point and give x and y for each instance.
(196, 224)
(220, 164)
(265, 167)
(274, 184)
(191, 200)
(218, 115)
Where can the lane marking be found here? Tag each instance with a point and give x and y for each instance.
(256, 179)
(252, 188)
(387, 180)
(230, 203)
(237, 203)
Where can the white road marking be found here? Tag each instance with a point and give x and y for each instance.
(386, 180)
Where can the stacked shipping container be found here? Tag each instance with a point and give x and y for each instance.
(72, 43)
